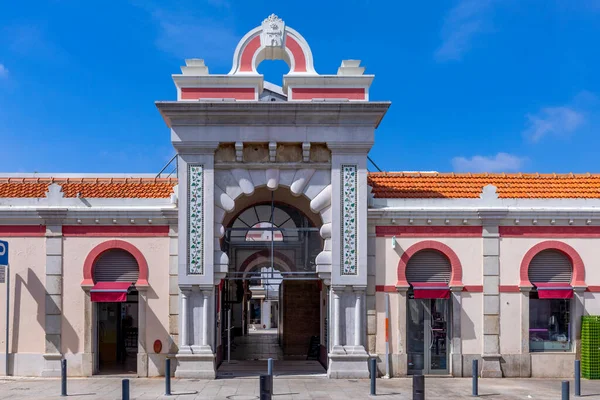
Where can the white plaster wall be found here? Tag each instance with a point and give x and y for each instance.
(27, 257)
(512, 251)
(471, 323)
(510, 323)
(592, 303)
(468, 250)
(395, 324)
(156, 252)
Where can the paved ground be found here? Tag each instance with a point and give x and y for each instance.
(288, 388)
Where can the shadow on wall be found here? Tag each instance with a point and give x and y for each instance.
(467, 327)
(36, 288)
(158, 332)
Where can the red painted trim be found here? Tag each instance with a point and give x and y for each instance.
(90, 260)
(429, 231)
(217, 93)
(456, 274)
(115, 231)
(248, 54)
(550, 231)
(385, 288)
(473, 288)
(299, 57)
(509, 289)
(328, 93)
(22, 230)
(593, 289)
(576, 261)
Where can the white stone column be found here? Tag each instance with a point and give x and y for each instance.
(205, 315)
(490, 367)
(142, 355)
(578, 312)
(54, 294)
(525, 368)
(358, 318)
(337, 329)
(184, 336)
(456, 341)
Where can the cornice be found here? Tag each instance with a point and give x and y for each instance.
(290, 113)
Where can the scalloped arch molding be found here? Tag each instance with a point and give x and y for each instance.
(311, 183)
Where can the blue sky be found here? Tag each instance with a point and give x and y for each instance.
(475, 85)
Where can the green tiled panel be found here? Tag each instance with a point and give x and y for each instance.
(590, 347)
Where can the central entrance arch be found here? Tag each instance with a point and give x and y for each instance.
(271, 299)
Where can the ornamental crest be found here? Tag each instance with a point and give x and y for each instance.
(273, 29)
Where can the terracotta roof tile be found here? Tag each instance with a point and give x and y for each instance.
(89, 187)
(451, 185)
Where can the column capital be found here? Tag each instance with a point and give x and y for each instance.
(359, 289)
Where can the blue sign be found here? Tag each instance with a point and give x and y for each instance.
(3, 252)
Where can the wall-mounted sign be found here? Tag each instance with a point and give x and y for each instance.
(2, 274)
(3, 252)
(157, 346)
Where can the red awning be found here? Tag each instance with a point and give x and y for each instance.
(110, 292)
(554, 290)
(433, 290)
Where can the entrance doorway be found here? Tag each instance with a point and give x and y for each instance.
(427, 335)
(271, 299)
(118, 336)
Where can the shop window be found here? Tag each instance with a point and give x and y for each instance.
(549, 324)
(550, 273)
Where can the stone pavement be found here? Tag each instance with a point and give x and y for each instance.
(288, 388)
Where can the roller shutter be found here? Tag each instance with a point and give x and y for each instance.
(550, 266)
(428, 266)
(116, 266)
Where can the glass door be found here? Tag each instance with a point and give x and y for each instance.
(427, 336)
(438, 328)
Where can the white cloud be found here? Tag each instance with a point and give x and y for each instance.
(501, 162)
(185, 36)
(467, 19)
(3, 71)
(557, 121)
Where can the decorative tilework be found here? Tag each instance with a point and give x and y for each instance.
(348, 234)
(195, 219)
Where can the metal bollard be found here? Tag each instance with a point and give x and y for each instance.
(168, 377)
(475, 381)
(577, 378)
(270, 371)
(125, 391)
(265, 389)
(63, 378)
(418, 387)
(373, 363)
(565, 390)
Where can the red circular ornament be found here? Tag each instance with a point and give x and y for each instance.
(157, 346)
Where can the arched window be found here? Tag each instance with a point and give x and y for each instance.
(428, 272)
(550, 272)
(116, 265)
(264, 232)
(428, 266)
(263, 223)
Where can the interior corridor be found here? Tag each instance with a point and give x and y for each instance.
(250, 353)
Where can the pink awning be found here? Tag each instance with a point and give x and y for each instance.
(554, 290)
(110, 292)
(433, 290)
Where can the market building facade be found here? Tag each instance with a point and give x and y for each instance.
(273, 224)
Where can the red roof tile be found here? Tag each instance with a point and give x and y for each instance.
(527, 186)
(136, 188)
